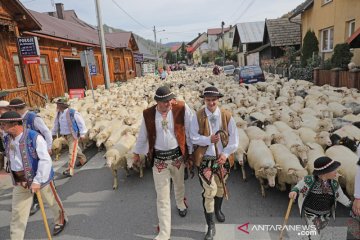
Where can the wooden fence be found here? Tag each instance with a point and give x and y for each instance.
(31, 97)
(337, 78)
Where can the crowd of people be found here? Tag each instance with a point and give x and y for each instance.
(174, 138)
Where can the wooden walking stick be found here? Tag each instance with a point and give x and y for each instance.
(221, 167)
(286, 217)
(41, 204)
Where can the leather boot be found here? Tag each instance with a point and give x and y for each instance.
(35, 206)
(218, 213)
(211, 226)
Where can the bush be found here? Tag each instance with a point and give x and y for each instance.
(342, 56)
(310, 46)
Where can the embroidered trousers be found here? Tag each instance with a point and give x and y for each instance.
(163, 171)
(22, 200)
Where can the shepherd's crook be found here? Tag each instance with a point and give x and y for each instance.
(221, 166)
(286, 217)
(41, 204)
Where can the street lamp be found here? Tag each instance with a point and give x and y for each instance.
(156, 43)
(222, 37)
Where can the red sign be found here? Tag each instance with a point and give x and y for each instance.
(31, 60)
(77, 93)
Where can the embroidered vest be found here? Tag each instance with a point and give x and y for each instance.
(70, 119)
(204, 130)
(29, 157)
(28, 121)
(178, 111)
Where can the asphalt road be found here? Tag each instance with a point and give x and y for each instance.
(96, 211)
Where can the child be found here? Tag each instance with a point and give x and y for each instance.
(319, 193)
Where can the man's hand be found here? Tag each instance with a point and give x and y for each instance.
(82, 138)
(50, 151)
(35, 187)
(292, 195)
(356, 207)
(222, 159)
(214, 138)
(136, 157)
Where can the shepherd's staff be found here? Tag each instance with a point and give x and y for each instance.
(41, 204)
(286, 217)
(221, 165)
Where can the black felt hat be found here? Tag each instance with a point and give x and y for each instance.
(63, 101)
(324, 165)
(10, 116)
(17, 103)
(211, 92)
(164, 94)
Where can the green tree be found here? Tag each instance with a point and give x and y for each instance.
(342, 55)
(183, 52)
(310, 47)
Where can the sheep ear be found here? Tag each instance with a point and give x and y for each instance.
(261, 170)
(291, 171)
(104, 156)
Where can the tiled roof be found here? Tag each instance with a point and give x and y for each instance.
(175, 48)
(302, 7)
(119, 39)
(216, 31)
(70, 15)
(282, 32)
(251, 32)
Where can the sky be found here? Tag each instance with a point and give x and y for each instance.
(182, 20)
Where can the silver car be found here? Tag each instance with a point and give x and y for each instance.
(229, 70)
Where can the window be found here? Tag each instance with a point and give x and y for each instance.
(326, 1)
(231, 34)
(327, 39)
(19, 76)
(351, 28)
(116, 65)
(44, 69)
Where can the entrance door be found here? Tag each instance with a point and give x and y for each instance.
(74, 74)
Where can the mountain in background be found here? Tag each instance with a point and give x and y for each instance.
(149, 44)
(171, 44)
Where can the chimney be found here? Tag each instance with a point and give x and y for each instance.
(230, 26)
(60, 10)
(199, 34)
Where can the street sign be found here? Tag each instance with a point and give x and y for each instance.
(139, 57)
(92, 69)
(90, 57)
(31, 60)
(28, 46)
(77, 93)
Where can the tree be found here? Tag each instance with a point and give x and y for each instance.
(310, 47)
(342, 55)
(183, 52)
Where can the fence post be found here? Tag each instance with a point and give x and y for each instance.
(316, 76)
(354, 78)
(334, 80)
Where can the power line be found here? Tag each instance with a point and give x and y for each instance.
(147, 28)
(237, 9)
(245, 10)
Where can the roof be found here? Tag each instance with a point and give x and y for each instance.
(282, 32)
(195, 39)
(119, 39)
(259, 49)
(145, 51)
(216, 31)
(251, 32)
(354, 39)
(175, 48)
(24, 19)
(301, 8)
(70, 15)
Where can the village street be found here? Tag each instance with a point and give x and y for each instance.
(129, 213)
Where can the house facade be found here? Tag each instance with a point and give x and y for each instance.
(192, 48)
(213, 35)
(228, 39)
(333, 22)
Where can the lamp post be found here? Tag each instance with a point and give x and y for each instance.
(222, 37)
(157, 57)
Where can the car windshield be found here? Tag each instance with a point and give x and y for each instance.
(251, 71)
(228, 67)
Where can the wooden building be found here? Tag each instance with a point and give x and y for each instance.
(60, 44)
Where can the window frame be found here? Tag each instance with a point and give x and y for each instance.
(117, 69)
(47, 68)
(350, 23)
(324, 2)
(328, 48)
(26, 71)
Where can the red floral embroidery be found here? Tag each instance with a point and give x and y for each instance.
(207, 174)
(177, 163)
(160, 165)
(304, 189)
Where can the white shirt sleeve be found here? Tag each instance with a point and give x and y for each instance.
(56, 129)
(233, 138)
(357, 183)
(196, 138)
(142, 144)
(81, 123)
(44, 130)
(45, 163)
(188, 118)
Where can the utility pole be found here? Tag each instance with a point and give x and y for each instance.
(223, 43)
(157, 61)
(102, 43)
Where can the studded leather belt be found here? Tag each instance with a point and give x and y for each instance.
(167, 155)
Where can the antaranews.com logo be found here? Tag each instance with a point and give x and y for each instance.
(302, 230)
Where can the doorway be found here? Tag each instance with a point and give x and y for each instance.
(75, 77)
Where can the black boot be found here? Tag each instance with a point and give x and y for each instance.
(219, 215)
(35, 206)
(211, 226)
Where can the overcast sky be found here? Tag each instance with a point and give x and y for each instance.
(182, 20)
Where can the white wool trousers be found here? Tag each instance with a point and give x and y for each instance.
(163, 172)
(22, 200)
(214, 189)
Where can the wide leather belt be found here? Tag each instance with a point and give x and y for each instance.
(19, 176)
(167, 155)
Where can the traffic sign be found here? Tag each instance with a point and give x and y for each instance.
(92, 69)
(90, 57)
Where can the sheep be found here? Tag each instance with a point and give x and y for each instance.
(137, 166)
(294, 143)
(315, 151)
(308, 135)
(115, 156)
(256, 133)
(262, 161)
(282, 126)
(291, 170)
(349, 131)
(242, 149)
(338, 109)
(57, 145)
(348, 167)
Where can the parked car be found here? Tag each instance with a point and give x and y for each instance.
(249, 74)
(228, 69)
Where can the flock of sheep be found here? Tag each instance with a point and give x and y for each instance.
(283, 125)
